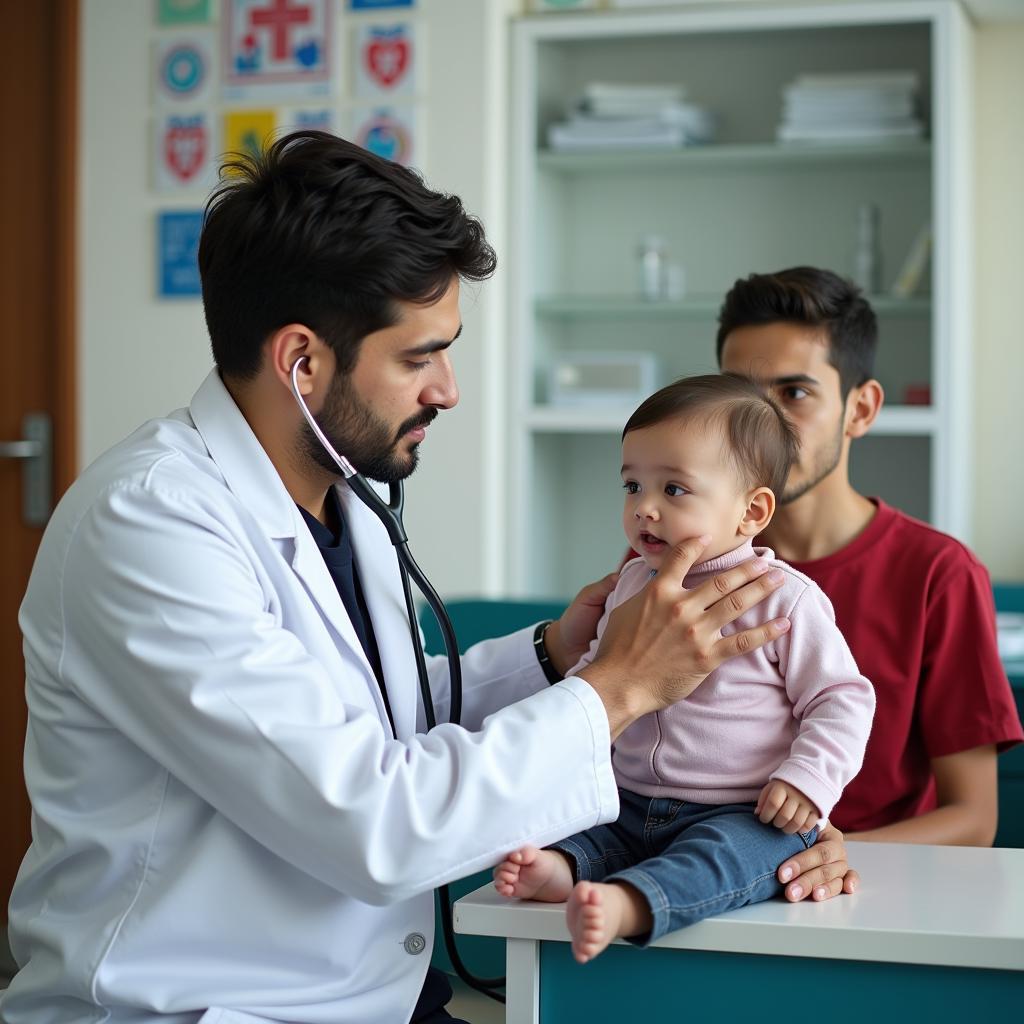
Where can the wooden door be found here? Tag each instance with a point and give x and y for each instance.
(38, 97)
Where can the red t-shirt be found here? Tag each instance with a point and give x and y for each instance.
(916, 609)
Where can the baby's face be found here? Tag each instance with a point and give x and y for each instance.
(680, 482)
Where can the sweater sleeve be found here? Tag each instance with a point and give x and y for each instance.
(832, 701)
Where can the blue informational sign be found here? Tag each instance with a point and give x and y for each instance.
(378, 5)
(178, 252)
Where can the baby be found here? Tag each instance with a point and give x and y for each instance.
(718, 789)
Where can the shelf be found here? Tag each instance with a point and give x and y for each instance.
(766, 154)
(906, 420)
(896, 420)
(696, 307)
(552, 419)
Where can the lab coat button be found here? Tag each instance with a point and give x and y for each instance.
(414, 943)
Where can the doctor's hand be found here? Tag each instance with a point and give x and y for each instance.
(659, 645)
(569, 638)
(820, 872)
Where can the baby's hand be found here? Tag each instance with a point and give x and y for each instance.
(785, 807)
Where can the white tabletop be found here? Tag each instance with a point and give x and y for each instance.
(954, 906)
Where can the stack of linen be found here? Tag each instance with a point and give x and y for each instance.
(632, 117)
(860, 107)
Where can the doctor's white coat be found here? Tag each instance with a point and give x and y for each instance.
(223, 827)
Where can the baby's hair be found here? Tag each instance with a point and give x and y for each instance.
(762, 442)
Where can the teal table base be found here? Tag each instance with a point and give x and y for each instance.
(626, 984)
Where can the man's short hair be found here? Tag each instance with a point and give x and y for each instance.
(762, 443)
(317, 231)
(812, 298)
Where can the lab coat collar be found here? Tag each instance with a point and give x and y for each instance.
(247, 469)
(254, 480)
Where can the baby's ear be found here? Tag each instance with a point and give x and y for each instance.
(759, 511)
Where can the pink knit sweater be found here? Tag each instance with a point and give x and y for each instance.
(796, 709)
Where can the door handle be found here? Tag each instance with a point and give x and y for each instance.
(20, 449)
(36, 452)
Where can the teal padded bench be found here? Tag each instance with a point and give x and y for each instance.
(1010, 598)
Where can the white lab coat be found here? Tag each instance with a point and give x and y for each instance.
(223, 828)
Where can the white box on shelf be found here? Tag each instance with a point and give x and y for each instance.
(610, 378)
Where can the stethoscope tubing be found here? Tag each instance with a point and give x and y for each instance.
(390, 514)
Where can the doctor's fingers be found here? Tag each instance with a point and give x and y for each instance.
(728, 595)
(677, 562)
(748, 640)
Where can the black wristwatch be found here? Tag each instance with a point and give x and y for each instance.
(551, 674)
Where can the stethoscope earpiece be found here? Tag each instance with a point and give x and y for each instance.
(346, 467)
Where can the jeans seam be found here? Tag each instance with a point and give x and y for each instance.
(652, 887)
(582, 857)
(745, 890)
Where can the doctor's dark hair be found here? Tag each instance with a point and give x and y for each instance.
(761, 443)
(813, 298)
(318, 231)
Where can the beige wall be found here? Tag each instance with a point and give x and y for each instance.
(140, 357)
(999, 283)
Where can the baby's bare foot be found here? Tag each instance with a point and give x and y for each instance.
(594, 914)
(532, 874)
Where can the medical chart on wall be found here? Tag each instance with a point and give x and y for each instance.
(184, 12)
(385, 60)
(177, 253)
(378, 5)
(248, 131)
(230, 76)
(186, 149)
(388, 131)
(185, 69)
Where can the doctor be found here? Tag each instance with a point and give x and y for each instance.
(238, 814)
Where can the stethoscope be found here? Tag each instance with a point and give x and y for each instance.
(390, 514)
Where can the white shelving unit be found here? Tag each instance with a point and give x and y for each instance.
(742, 205)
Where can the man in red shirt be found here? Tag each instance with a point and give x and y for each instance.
(914, 604)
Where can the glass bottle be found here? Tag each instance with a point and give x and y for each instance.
(653, 267)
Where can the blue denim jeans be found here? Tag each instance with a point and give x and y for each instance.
(689, 861)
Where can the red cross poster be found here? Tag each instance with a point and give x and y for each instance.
(279, 46)
(385, 60)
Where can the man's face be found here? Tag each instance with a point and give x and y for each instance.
(376, 415)
(680, 482)
(792, 362)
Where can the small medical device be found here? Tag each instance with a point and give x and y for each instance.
(602, 378)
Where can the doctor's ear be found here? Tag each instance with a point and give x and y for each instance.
(296, 343)
(758, 513)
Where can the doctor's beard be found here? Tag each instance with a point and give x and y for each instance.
(361, 436)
